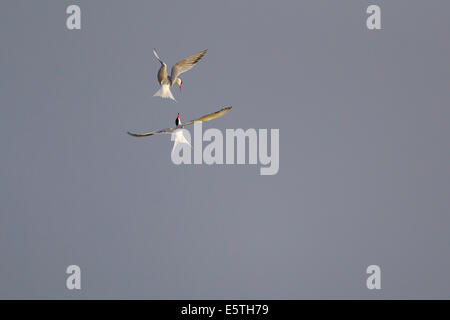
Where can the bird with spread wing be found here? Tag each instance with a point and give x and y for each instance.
(166, 81)
(179, 137)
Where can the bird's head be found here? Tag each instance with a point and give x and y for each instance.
(177, 120)
(179, 82)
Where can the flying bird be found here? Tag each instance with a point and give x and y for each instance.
(166, 81)
(179, 137)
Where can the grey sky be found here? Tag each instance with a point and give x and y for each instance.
(364, 150)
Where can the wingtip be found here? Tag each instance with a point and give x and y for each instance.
(156, 54)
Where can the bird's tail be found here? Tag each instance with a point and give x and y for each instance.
(164, 92)
(179, 138)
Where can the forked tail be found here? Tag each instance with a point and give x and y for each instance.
(178, 137)
(164, 92)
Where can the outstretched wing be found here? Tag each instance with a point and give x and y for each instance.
(167, 130)
(209, 116)
(162, 73)
(205, 118)
(186, 64)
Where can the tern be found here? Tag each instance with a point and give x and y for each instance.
(179, 137)
(166, 81)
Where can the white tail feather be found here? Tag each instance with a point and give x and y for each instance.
(179, 138)
(164, 92)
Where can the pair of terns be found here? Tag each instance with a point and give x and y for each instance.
(166, 82)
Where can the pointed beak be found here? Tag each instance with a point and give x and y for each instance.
(179, 87)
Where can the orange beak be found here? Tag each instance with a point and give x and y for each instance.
(180, 87)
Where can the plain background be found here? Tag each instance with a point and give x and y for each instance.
(364, 150)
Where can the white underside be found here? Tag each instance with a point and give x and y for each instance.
(164, 92)
(179, 138)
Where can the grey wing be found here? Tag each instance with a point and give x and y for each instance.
(167, 130)
(157, 57)
(162, 73)
(209, 116)
(186, 64)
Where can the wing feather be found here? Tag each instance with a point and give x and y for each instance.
(186, 64)
(162, 73)
(209, 116)
(167, 130)
(157, 57)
